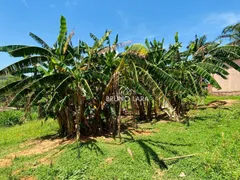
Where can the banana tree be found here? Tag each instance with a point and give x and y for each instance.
(232, 33)
(46, 69)
(72, 83)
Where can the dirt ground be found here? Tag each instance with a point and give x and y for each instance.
(36, 147)
(223, 103)
(7, 108)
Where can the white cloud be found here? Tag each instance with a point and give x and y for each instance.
(222, 19)
(210, 25)
(70, 3)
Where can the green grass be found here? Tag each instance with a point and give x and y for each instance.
(213, 133)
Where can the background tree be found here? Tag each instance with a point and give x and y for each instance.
(232, 33)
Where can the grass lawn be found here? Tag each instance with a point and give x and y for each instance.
(212, 137)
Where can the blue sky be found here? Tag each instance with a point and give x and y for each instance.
(131, 19)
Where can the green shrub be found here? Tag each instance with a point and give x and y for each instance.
(11, 117)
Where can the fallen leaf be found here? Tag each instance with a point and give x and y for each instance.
(130, 152)
(182, 174)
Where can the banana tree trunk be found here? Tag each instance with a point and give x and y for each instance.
(156, 108)
(134, 111)
(149, 111)
(41, 113)
(69, 119)
(63, 126)
(141, 107)
(119, 119)
(79, 112)
(96, 120)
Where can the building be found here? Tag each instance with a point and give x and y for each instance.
(230, 86)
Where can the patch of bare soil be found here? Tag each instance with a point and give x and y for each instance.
(7, 108)
(109, 160)
(158, 174)
(231, 102)
(107, 139)
(164, 121)
(146, 133)
(37, 147)
(218, 103)
(46, 160)
(5, 163)
(29, 143)
(28, 178)
(87, 138)
(140, 132)
(40, 147)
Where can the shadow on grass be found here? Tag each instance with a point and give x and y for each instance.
(131, 138)
(149, 152)
(164, 117)
(217, 115)
(91, 145)
(218, 104)
(214, 107)
(201, 118)
(49, 137)
(147, 146)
